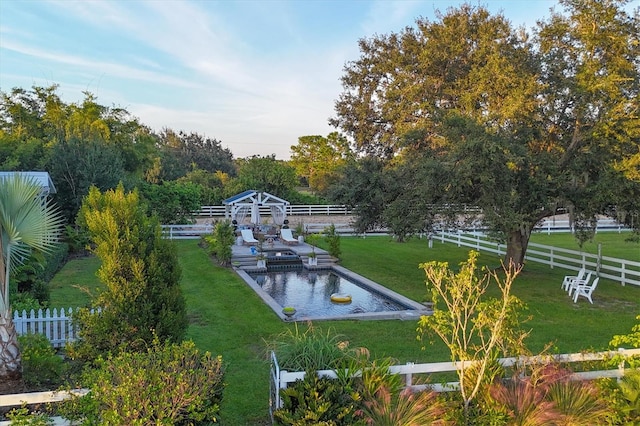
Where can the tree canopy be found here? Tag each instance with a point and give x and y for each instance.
(487, 115)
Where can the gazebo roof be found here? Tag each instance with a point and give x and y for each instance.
(41, 178)
(251, 196)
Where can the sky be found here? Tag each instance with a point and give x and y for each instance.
(254, 75)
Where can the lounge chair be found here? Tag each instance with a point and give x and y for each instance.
(287, 236)
(247, 237)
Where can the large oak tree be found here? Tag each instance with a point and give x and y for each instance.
(516, 125)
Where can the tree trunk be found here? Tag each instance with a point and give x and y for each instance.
(517, 243)
(10, 360)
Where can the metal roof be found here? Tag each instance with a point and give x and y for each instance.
(41, 178)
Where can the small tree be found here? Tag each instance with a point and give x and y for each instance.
(475, 329)
(141, 273)
(333, 240)
(224, 239)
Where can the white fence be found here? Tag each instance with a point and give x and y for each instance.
(291, 210)
(619, 270)
(54, 324)
(280, 379)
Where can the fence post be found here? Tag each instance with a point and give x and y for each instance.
(551, 258)
(408, 381)
(621, 365)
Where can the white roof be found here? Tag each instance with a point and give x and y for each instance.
(42, 178)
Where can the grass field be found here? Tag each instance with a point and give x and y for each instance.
(228, 318)
(613, 244)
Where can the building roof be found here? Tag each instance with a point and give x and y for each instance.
(41, 178)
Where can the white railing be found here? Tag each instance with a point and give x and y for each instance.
(185, 232)
(54, 324)
(291, 210)
(280, 379)
(618, 270)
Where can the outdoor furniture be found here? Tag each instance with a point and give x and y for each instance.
(247, 237)
(585, 291)
(575, 283)
(287, 236)
(566, 283)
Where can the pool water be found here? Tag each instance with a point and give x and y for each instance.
(309, 292)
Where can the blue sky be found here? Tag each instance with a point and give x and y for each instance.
(255, 75)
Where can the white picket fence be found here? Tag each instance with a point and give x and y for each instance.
(622, 271)
(415, 375)
(53, 323)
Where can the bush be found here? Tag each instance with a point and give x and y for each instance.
(224, 238)
(309, 350)
(168, 384)
(318, 401)
(23, 417)
(333, 240)
(42, 368)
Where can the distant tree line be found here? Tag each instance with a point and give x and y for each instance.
(87, 144)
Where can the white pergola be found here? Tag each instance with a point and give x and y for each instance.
(249, 202)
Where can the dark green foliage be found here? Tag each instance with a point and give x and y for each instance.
(180, 153)
(362, 188)
(333, 240)
(265, 174)
(78, 164)
(173, 202)
(170, 384)
(224, 238)
(78, 240)
(42, 368)
(317, 401)
(33, 276)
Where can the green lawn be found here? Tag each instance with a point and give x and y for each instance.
(613, 244)
(229, 319)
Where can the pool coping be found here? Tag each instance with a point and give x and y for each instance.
(417, 309)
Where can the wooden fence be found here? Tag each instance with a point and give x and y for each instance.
(414, 373)
(619, 270)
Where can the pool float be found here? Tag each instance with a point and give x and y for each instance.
(341, 298)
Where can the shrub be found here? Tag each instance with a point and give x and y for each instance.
(224, 238)
(167, 384)
(22, 417)
(317, 401)
(141, 273)
(310, 350)
(333, 240)
(41, 366)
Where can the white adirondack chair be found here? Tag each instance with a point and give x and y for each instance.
(575, 283)
(566, 283)
(585, 291)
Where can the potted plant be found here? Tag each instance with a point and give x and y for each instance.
(312, 241)
(289, 311)
(262, 260)
(313, 260)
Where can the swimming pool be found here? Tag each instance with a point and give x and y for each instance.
(309, 292)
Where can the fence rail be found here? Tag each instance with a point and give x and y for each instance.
(54, 324)
(290, 210)
(280, 379)
(619, 270)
